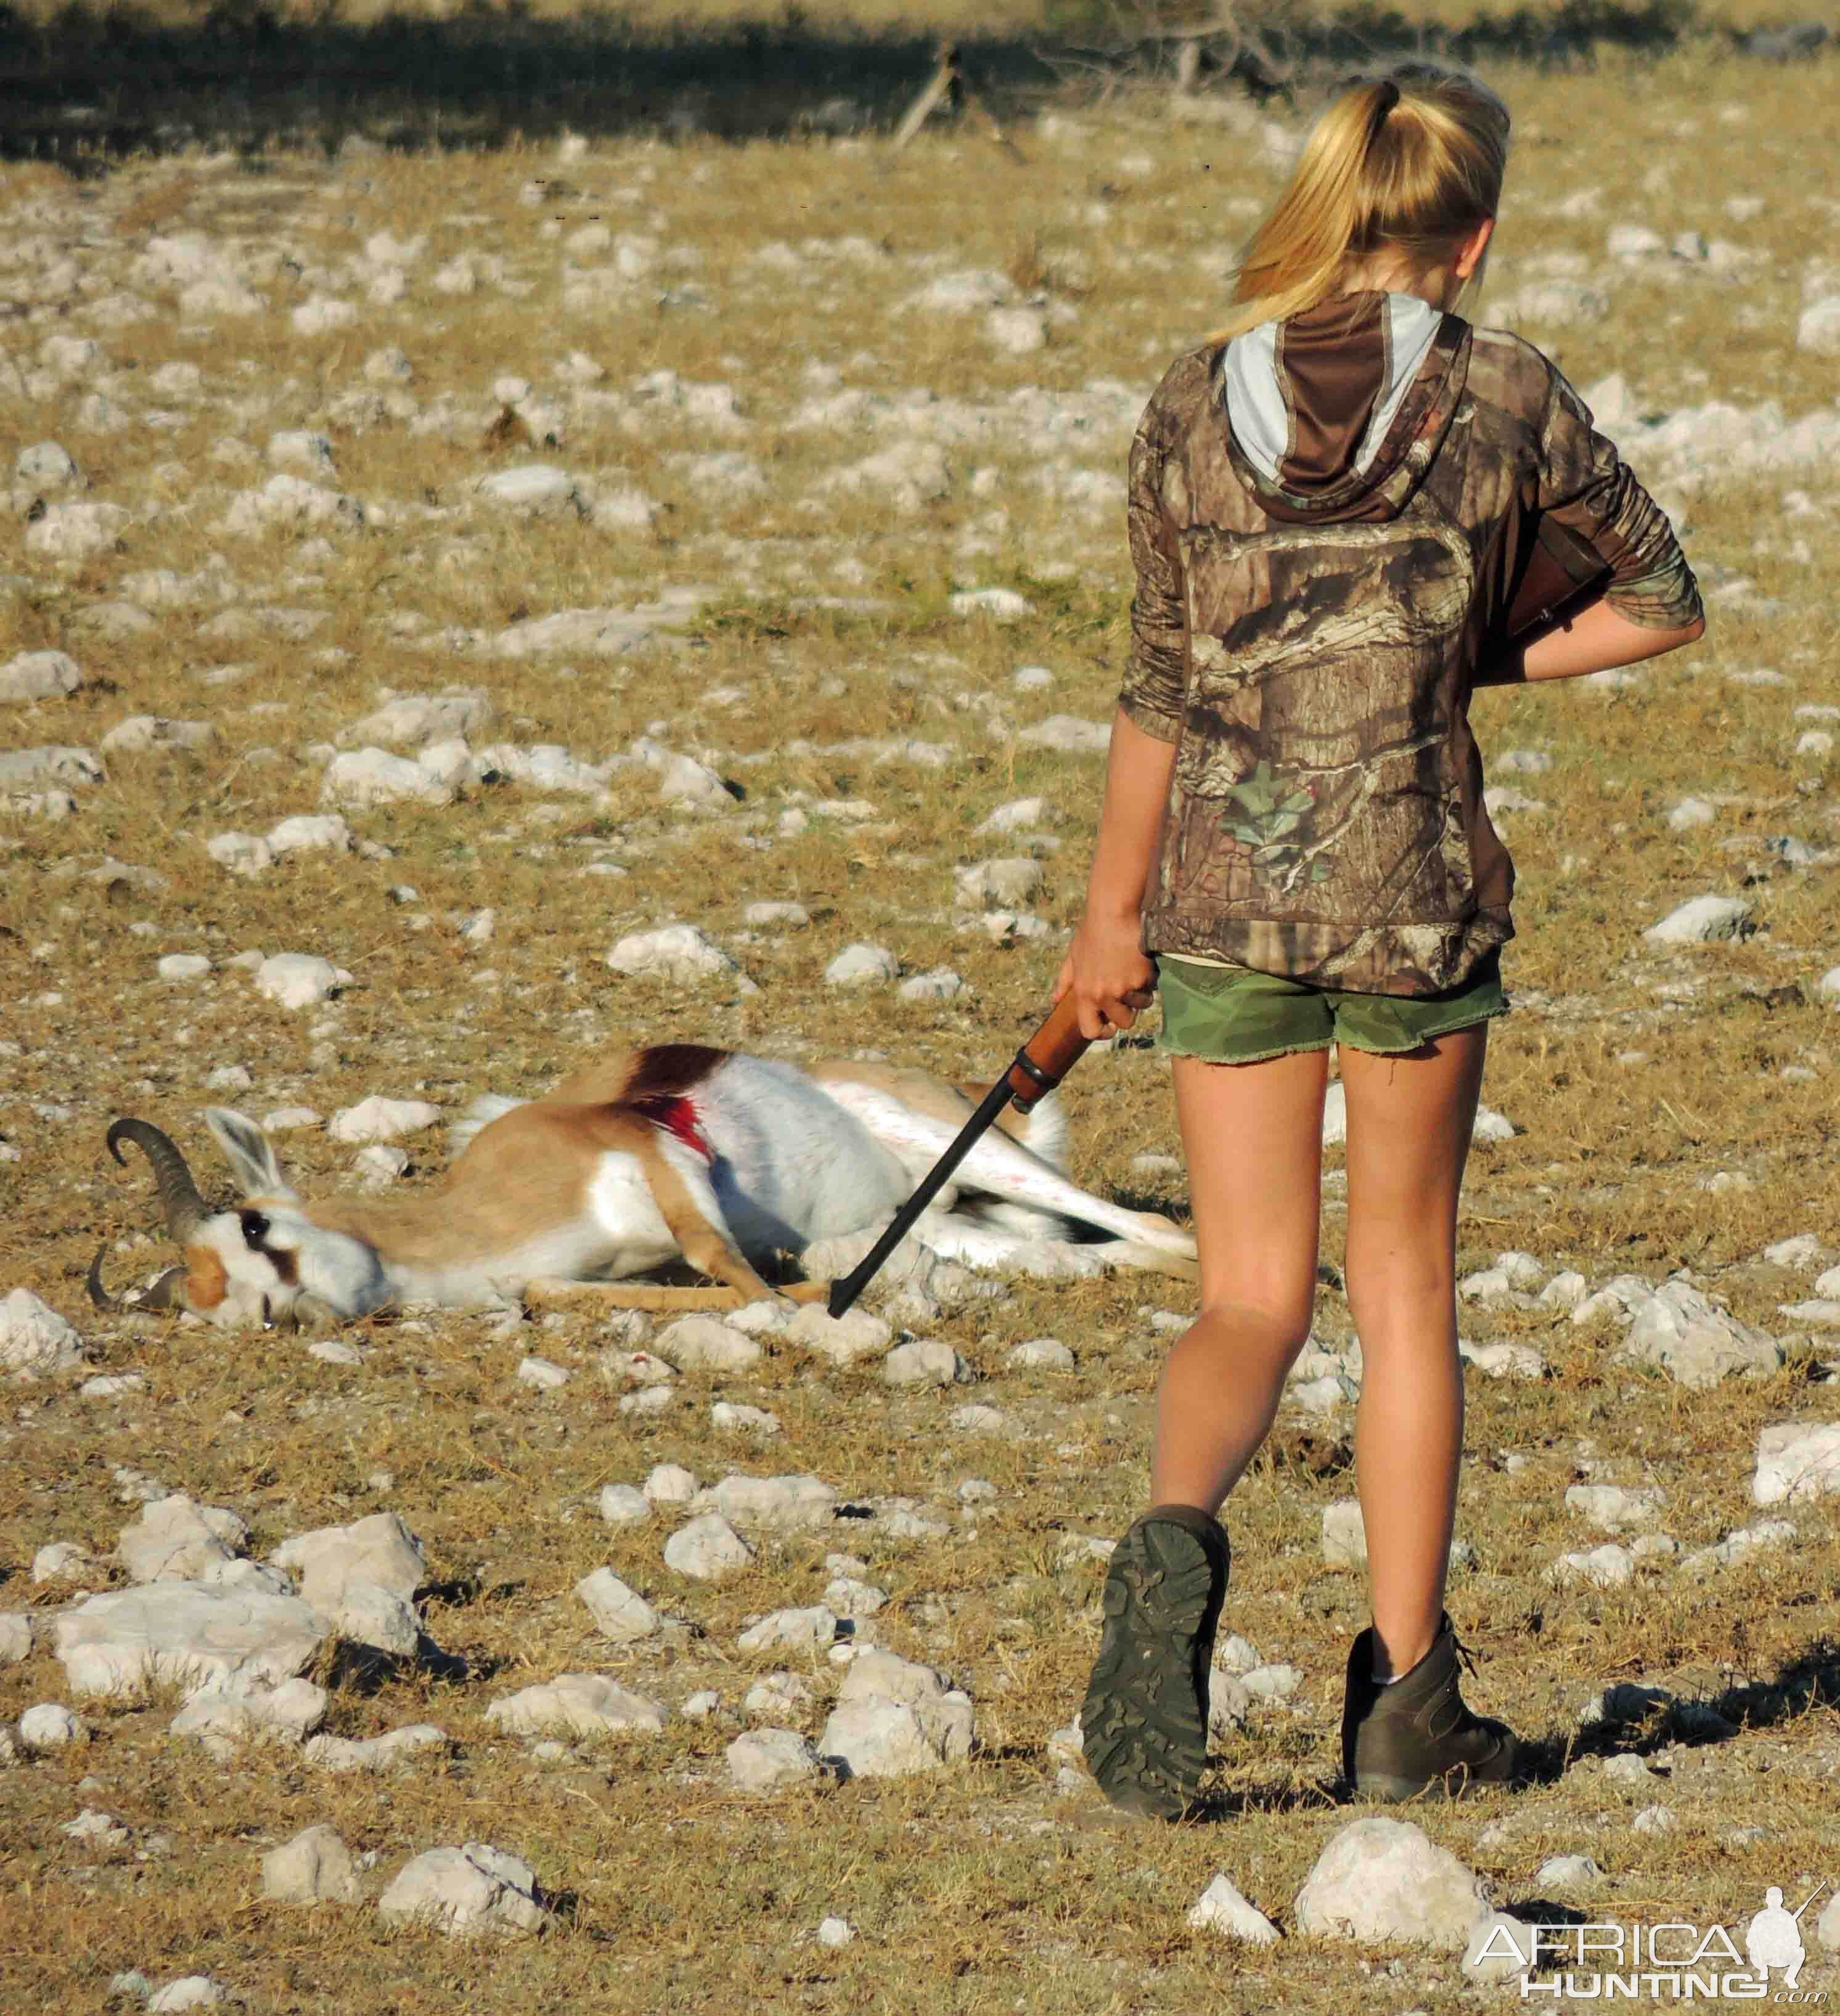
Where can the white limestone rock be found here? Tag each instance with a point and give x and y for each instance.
(1696, 1341)
(298, 979)
(1818, 330)
(1504, 1361)
(56, 763)
(533, 490)
(15, 1638)
(940, 984)
(1556, 304)
(910, 474)
(707, 1343)
(35, 1342)
(315, 1867)
(928, 1361)
(1827, 1927)
(380, 1119)
(300, 449)
(75, 532)
(619, 1612)
(1016, 332)
(863, 965)
(844, 1341)
(1000, 884)
(1796, 1459)
(671, 1484)
(1568, 1872)
(36, 675)
(577, 1704)
(1221, 1908)
(1001, 605)
(343, 1754)
(310, 832)
(177, 1540)
(1704, 920)
(362, 778)
(765, 1760)
(1612, 1507)
(466, 1891)
(1608, 1567)
(679, 954)
(50, 1726)
(194, 1635)
(624, 1505)
(45, 466)
(733, 1417)
(782, 1503)
(368, 1615)
(333, 1561)
(1069, 735)
(418, 718)
(847, 1595)
(241, 853)
(895, 1718)
(1385, 1881)
(190, 1991)
(290, 502)
(1040, 1354)
(59, 1560)
(288, 1714)
(708, 1549)
(810, 1629)
(1345, 1534)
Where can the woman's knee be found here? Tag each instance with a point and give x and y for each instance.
(1276, 1318)
(1396, 1298)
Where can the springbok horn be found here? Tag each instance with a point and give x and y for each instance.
(178, 1193)
(93, 1281)
(167, 1293)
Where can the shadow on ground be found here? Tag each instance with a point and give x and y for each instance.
(1640, 1720)
(86, 86)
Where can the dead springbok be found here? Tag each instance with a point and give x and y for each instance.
(680, 1153)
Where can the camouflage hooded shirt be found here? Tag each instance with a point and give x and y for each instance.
(1326, 519)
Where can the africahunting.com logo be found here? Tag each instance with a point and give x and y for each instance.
(1679, 1963)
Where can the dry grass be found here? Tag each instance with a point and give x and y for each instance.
(982, 1891)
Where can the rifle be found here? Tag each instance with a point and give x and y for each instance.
(1040, 1065)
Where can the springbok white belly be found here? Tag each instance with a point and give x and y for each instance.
(791, 1165)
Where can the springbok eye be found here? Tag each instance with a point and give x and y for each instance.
(255, 1229)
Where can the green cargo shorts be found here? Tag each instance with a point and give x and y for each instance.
(1229, 1015)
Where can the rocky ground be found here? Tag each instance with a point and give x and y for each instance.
(466, 610)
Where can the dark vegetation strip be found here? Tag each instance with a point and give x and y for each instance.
(86, 85)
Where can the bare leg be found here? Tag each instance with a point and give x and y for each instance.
(1408, 1123)
(1252, 1136)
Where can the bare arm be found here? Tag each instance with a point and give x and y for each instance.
(1594, 640)
(1106, 968)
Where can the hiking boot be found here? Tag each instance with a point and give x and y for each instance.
(1144, 1721)
(1415, 1737)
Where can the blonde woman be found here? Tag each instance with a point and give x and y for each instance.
(1332, 504)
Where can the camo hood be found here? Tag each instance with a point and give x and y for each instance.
(1336, 413)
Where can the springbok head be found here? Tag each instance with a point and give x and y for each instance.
(264, 1261)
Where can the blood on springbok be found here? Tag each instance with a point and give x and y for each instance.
(676, 1153)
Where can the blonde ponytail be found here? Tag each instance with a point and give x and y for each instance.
(1401, 166)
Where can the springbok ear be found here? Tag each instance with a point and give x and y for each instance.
(245, 1146)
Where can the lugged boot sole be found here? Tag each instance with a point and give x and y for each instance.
(1144, 1733)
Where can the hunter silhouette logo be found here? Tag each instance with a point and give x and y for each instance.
(1774, 1938)
(1671, 1962)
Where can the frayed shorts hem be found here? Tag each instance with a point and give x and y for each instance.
(1232, 1015)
